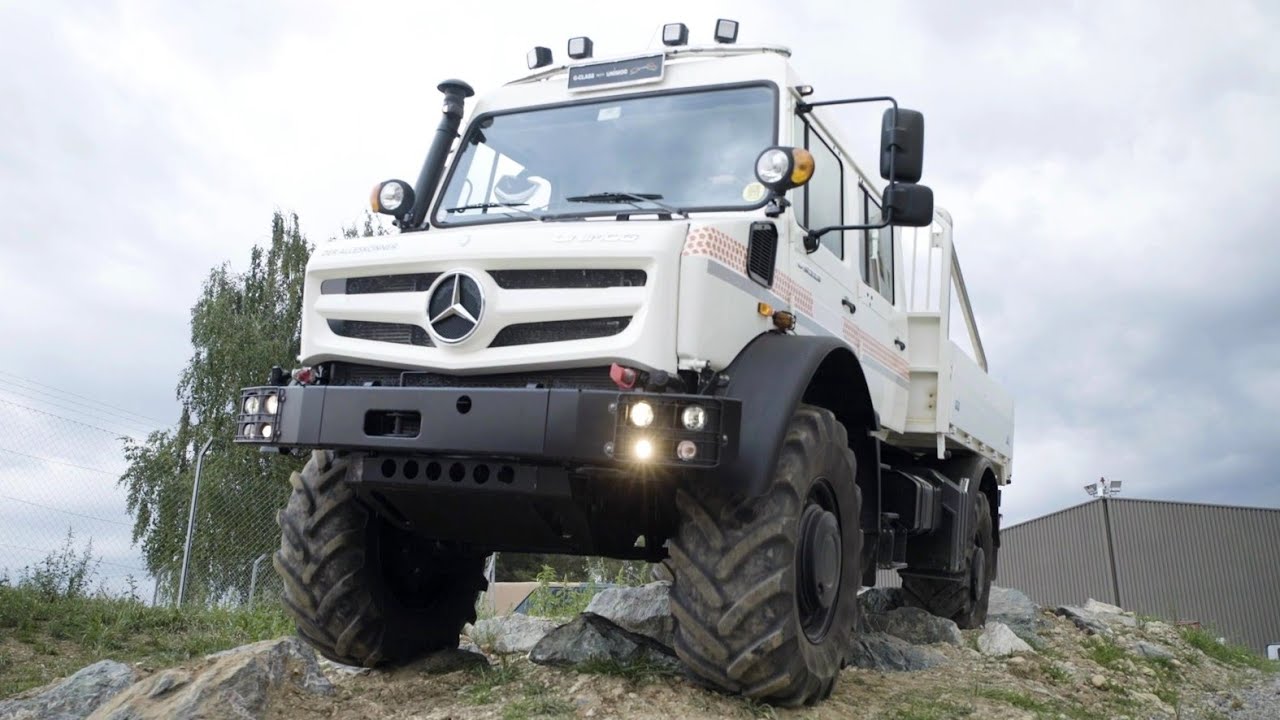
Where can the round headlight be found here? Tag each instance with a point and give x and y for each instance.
(643, 449)
(687, 450)
(642, 414)
(251, 405)
(267, 430)
(272, 404)
(773, 166)
(391, 196)
(248, 430)
(693, 418)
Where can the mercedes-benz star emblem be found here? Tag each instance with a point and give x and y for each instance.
(454, 307)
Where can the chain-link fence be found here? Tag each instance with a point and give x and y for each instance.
(63, 508)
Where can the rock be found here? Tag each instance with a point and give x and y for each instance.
(1015, 609)
(236, 683)
(1085, 620)
(1007, 602)
(333, 669)
(1095, 606)
(916, 626)
(878, 651)
(1017, 660)
(1098, 681)
(998, 640)
(74, 696)
(511, 633)
(1152, 651)
(880, 600)
(1148, 672)
(445, 661)
(592, 638)
(644, 610)
(1176, 662)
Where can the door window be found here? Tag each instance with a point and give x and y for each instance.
(821, 202)
(877, 257)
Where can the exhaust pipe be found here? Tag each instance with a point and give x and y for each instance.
(455, 94)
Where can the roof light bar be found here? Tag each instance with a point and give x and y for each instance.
(675, 34)
(726, 31)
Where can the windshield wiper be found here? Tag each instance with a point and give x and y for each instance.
(486, 205)
(633, 199)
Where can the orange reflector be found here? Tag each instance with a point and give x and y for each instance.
(765, 309)
(373, 198)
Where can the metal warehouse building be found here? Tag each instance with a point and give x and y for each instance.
(1214, 564)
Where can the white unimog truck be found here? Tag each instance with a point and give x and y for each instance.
(644, 308)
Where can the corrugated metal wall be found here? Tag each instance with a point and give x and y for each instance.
(1215, 564)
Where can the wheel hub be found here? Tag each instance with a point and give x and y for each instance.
(819, 558)
(977, 573)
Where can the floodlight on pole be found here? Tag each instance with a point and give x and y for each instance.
(1092, 489)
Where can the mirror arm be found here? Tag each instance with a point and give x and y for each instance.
(811, 237)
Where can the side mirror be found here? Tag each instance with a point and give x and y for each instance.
(910, 205)
(782, 168)
(393, 197)
(906, 136)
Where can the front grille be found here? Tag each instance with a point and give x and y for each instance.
(556, 279)
(381, 332)
(762, 253)
(559, 330)
(413, 282)
(351, 374)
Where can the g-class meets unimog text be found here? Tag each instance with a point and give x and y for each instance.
(646, 308)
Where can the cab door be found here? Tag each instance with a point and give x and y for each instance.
(854, 271)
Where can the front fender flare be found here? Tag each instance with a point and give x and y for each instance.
(771, 376)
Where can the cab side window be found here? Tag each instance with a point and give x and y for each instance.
(877, 256)
(820, 203)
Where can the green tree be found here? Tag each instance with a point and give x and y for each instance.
(242, 324)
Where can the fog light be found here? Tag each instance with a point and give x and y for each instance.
(267, 431)
(642, 414)
(693, 418)
(687, 450)
(643, 449)
(272, 404)
(248, 430)
(251, 405)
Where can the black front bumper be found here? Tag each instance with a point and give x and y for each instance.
(552, 425)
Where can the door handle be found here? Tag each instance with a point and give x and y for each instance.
(901, 345)
(848, 305)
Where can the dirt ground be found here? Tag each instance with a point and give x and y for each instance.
(1071, 675)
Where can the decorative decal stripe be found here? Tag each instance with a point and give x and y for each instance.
(718, 245)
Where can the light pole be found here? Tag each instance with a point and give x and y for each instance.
(191, 522)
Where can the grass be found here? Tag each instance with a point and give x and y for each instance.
(639, 672)
(1039, 708)
(919, 709)
(1227, 653)
(1107, 654)
(489, 679)
(45, 637)
(1056, 674)
(536, 701)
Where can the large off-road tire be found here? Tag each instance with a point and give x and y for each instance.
(361, 591)
(765, 588)
(964, 601)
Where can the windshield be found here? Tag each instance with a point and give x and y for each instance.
(687, 151)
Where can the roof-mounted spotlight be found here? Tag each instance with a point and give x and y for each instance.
(675, 34)
(539, 57)
(726, 31)
(580, 48)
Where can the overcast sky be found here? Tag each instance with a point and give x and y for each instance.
(1112, 169)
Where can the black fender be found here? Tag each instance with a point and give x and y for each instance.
(772, 375)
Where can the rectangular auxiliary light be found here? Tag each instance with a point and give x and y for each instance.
(675, 34)
(580, 48)
(726, 31)
(539, 57)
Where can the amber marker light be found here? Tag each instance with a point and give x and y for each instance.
(764, 309)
